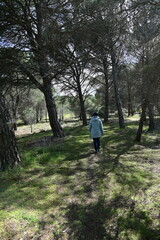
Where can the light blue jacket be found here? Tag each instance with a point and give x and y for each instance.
(96, 127)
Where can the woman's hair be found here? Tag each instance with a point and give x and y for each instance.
(95, 114)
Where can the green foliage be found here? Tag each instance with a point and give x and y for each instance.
(93, 105)
(31, 105)
(74, 105)
(64, 108)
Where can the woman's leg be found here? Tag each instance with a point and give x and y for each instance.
(96, 144)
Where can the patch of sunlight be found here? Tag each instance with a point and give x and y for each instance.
(38, 127)
(130, 234)
(29, 215)
(134, 117)
(49, 202)
(83, 140)
(49, 157)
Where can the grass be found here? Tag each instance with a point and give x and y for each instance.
(64, 191)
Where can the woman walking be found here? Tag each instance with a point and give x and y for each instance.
(96, 130)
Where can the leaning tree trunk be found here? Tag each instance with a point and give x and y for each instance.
(116, 89)
(106, 96)
(44, 68)
(141, 121)
(52, 112)
(151, 118)
(46, 88)
(9, 156)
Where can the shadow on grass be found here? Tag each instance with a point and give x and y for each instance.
(118, 218)
(87, 222)
(103, 220)
(117, 142)
(27, 187)
(100, 221)
(65, 176)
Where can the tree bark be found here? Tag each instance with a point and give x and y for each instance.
(106, 97)
(129, 101)
(83, 112)
(40, 51)
(141, 121)
(15, 103)
(40, 114)
(81, 100)
(151, 118)
(37, 115)
(9, 156)
(116, 89)
(158, 108)
(132, 110)
(52, 112)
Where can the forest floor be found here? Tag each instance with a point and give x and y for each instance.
(63, 191)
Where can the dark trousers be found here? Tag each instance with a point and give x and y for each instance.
(96, 142)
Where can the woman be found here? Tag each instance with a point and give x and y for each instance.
(96, 130)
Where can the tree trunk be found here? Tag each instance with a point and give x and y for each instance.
(158, 108)
(46, 115)
(151, 118)
(40, 114)
(129, 101)
(15, 104)
(37, 115)
(47, 90)
(9, 156)
(132, 110)
(52, 113)
(81, 101)
(106, 98)
(83, 111)
(45, 71)
(129, 109)
(116, 89)
(62, 115)
(31, 127)
(15, 122)
(141, 121)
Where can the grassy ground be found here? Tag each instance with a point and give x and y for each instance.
(63, 191)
